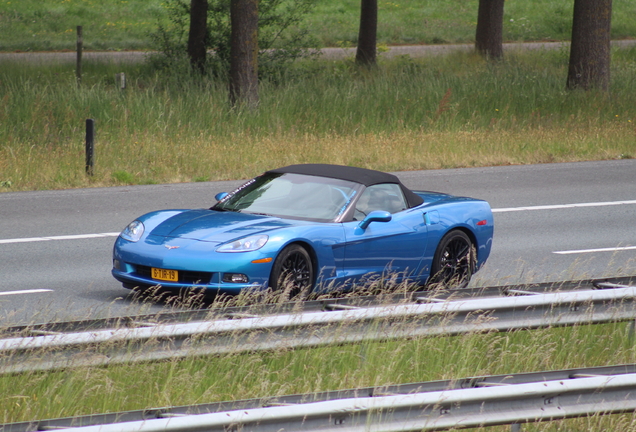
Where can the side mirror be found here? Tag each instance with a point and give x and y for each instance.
(375, 216)
(220, 196)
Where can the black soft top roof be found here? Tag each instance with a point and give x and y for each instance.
(363, 176)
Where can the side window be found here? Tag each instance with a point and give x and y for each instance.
(386, 196)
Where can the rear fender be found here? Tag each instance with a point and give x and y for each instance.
(474, 217)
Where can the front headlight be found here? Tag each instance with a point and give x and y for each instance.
(133, 231)
(246, 244)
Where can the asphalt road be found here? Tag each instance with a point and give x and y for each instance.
(552, 222)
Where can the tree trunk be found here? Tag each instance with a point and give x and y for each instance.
(489, 35)
(198, 33)
(590, 48)
(244, 53)
(367, 36)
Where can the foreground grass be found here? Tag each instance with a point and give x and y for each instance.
(443, 112)
(231, 377)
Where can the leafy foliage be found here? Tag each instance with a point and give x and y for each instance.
(281, 38)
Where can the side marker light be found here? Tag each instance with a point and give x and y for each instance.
(482, 222)
(262, 260)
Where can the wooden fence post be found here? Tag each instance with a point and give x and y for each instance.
(78, 68)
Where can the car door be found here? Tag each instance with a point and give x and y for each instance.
(392, 248)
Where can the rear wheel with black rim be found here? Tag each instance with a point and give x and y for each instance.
(454, 261)
(293, 272)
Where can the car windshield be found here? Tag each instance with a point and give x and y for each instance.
(293, 196)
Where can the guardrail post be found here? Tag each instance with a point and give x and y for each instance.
(515, 427)
(78, 68)
(90, 145)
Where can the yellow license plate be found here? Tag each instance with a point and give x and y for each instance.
(165, 275)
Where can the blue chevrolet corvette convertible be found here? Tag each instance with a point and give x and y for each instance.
(308, 228)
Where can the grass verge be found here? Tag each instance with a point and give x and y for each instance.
(230, 377)
(454, 111)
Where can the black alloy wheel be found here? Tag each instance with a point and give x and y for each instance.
(454, 261)
(293, 272)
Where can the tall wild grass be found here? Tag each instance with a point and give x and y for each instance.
(167, 126)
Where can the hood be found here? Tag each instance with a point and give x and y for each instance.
(215, 226)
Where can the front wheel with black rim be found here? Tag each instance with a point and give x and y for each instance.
(293, 272)
(454, 261)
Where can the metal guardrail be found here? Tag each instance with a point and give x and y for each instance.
(435, 405)
(309, 306)
(336, 323)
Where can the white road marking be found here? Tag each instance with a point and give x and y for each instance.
(581, 251)
(65, 237)
(563, 206)
(500, 210)
(570, 206)
(33, 291)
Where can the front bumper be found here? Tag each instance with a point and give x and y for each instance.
(197, 263)
(134, 279)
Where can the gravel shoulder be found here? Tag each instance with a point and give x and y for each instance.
(413, 51)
